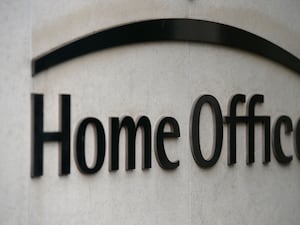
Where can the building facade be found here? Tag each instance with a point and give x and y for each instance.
(183, 88)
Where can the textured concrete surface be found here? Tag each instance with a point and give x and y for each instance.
(161, 79)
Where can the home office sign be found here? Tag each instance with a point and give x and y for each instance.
(179, 30)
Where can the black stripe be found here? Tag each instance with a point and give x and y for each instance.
(167, 30)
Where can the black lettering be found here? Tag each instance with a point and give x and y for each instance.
(252, 120)
(232, 120)
(278, 151)
(80, 145)
(297, 140)
(39, 136)
(129, 124)
(195, 142)
(160, 151)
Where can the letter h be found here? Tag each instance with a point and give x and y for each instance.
(39, 136)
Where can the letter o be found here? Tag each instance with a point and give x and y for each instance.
(80, 145)
(194, 129)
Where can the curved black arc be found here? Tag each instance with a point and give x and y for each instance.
(168, 30)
